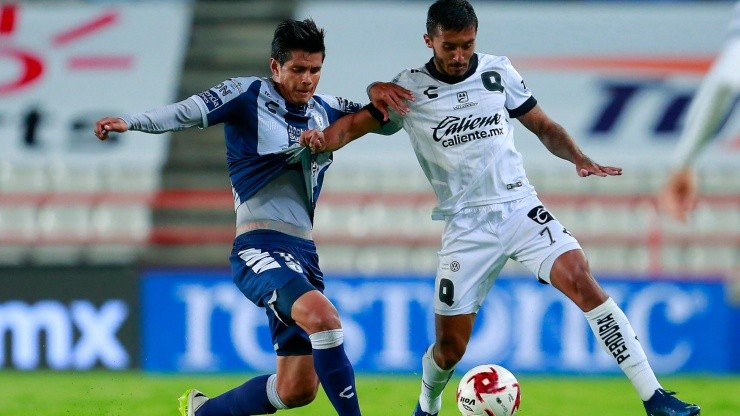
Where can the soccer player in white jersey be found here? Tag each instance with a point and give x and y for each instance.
(275, 183)
(460, 127)
(708, 109)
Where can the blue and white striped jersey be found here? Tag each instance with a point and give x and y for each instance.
(272, 177)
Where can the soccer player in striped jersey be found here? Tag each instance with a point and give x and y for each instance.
(708, 110)
(275, 183)
(461, 130)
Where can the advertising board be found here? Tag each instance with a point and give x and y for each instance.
(199, 321)
(69, 318)
(63, 66)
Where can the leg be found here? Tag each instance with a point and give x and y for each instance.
(440, 359)
(571, 275)
(469, 261)
(316, 315)
(294, 385)
(305, 327)
(554, 255)
(296, 380)
(295, 310)
(452, 336)
(544, 246)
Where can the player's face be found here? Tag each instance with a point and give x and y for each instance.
(452, 49)
(298, 77)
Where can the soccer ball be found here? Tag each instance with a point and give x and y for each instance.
(488, 390)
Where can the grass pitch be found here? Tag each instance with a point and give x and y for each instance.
(133, 393)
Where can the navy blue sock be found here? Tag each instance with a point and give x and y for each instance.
(336, 375)
(248, 399)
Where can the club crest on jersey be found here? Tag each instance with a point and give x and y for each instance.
(315, 121)
(464, 101)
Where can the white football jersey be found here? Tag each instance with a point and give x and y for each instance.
(462, 134)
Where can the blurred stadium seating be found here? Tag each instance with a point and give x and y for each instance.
(378, 227)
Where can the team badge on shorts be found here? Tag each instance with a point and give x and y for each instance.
(540, 215)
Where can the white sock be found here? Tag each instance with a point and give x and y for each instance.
(327, 339)
(616, 336)
(272, 393)
(433, 382)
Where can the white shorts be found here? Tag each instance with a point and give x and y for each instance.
(478, 241)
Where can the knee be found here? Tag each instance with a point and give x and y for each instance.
(573, 277)
(449, 352)
(297, 393)
(313, 312)
(323, 319)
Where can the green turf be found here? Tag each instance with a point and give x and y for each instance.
(138, 394)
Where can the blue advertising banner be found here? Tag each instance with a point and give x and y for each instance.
(199, 321)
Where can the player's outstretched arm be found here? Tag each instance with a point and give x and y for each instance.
(557, 140)
(108, 124)
(172, 117)
(341, 132)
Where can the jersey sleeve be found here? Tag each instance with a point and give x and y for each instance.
(337, 107)
(519, 99)
(387, 127)
(228, 100)
(172, 117)
(395, 120)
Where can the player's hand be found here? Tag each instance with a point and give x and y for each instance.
(108, 124)
(678, 196)
(587, 167)
(387, 94)
(314, 140)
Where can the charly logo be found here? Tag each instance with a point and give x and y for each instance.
(272, 106)
(462, 97)
(540, 215)
(431, 92)
(347, 393)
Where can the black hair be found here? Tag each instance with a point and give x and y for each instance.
(453, 15)
(291, 35)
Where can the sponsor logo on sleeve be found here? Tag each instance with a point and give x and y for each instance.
(348, 106)
(211, 99)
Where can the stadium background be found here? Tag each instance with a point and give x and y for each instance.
(113, 255)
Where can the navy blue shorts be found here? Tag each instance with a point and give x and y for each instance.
(272, 270)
